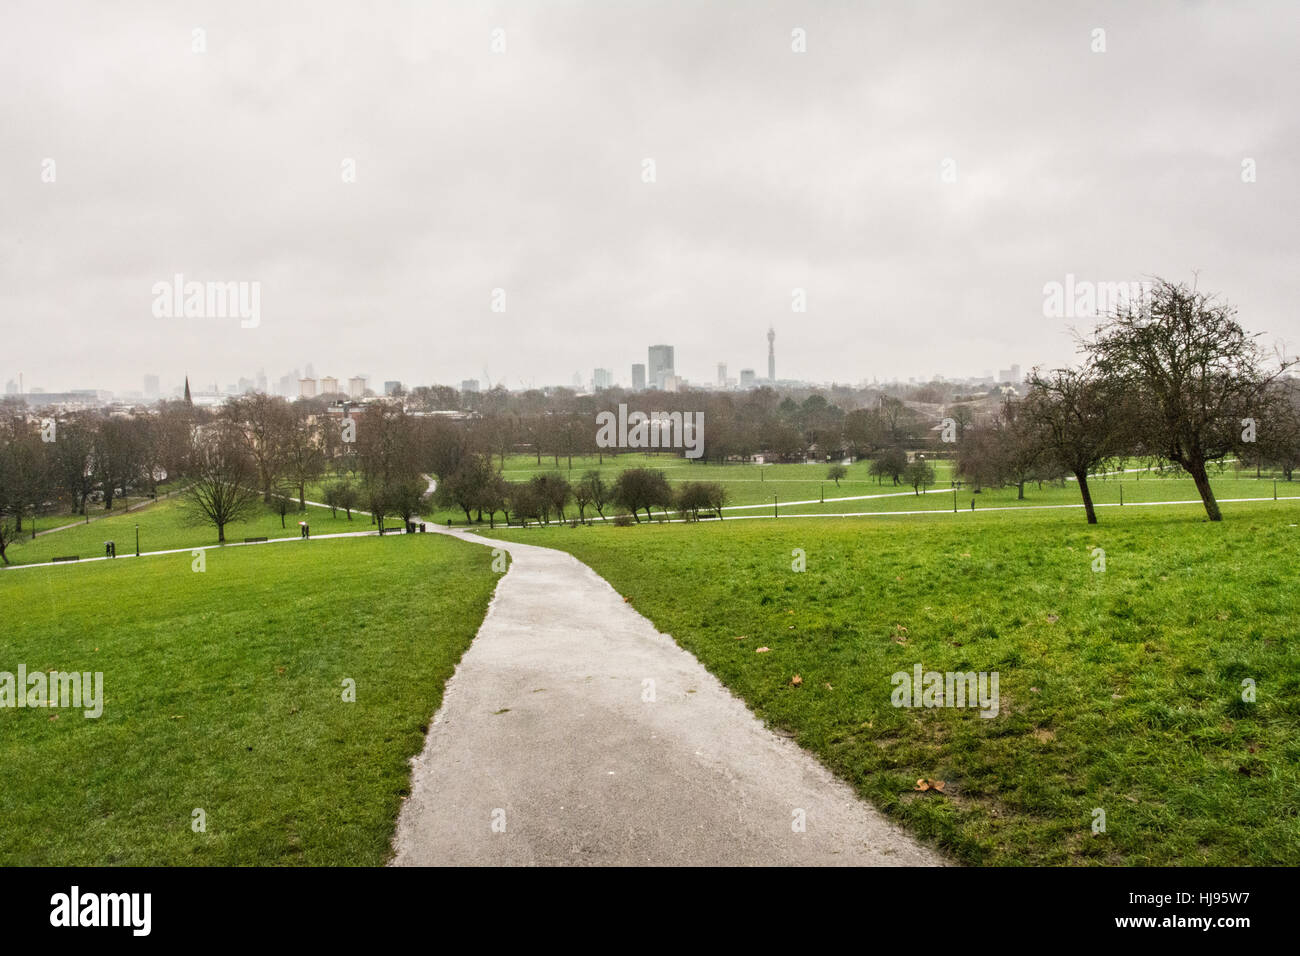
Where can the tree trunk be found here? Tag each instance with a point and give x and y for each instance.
(1020, 491)
(221, 533)
(1197, 470)
(1082, 477)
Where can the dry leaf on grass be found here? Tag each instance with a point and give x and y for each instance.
(762, 650)
(924, 784)
(796, 680)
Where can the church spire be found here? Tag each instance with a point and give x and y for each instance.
(188, 400)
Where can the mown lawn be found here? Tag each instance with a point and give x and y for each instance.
(224, 692)
(1119, 690)
(168, 524)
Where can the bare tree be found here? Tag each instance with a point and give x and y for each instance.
(266, 422)
(304, 454)
(1082, 419)
(74, 460)
(223, 490)
(1197, 375)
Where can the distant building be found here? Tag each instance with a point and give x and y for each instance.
(1011, 375)
(306, 388)
(771, 354)
(661, 364)
(392, 387)
(289, 384)
(469, 385)
(357, 386)
(722, 373)
(601, 378)
(671, 383)
(638, 377)
(746, 378)
(329, 385)
(151, 387)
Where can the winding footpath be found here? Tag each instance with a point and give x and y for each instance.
(550, 748)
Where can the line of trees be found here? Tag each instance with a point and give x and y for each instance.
(1173, 379)
(1170, 379)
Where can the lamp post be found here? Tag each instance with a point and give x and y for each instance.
(137, 540)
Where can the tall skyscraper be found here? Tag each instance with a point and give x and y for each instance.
(638, 377)
(151, 386)
(661, 364)
(722, 373)
(601, 378)
(771, 354)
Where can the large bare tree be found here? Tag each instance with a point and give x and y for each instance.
(266, 422)
(1198, 378)
(223, 490)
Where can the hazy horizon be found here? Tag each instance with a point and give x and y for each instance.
(522, 170)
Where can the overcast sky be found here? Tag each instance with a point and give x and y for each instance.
(523, 170)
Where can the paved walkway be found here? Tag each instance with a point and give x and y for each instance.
(544, 728)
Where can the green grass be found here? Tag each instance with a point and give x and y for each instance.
(224, 692)
(750, 488)
(1119, 690)
(167, 525)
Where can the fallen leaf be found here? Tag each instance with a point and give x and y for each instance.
(796, 680)
(743, 637)
(921, 785)
(762, 650)
(829, 687)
